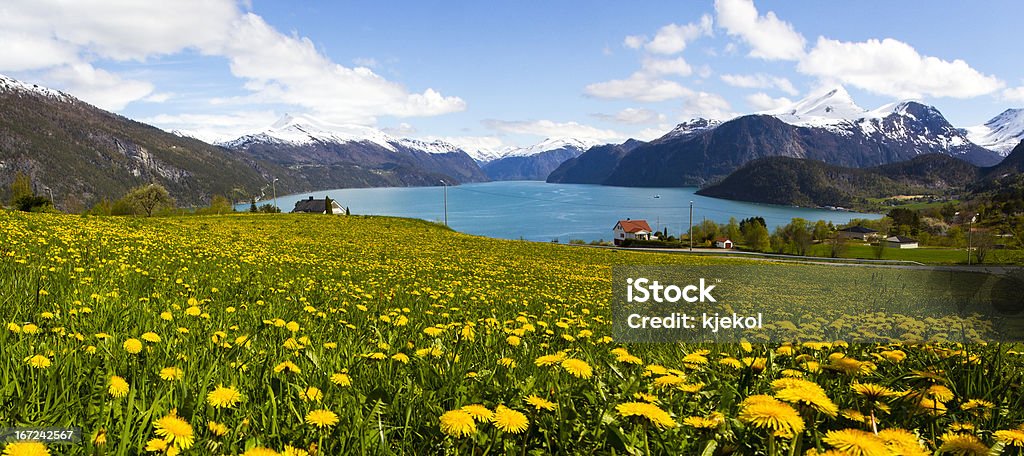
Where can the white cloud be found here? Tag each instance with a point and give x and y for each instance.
(672, 38)
(1014, 94)
(96, 86)
(638, 87)
(633, 116)
(66, 39)
(760, 81)
(634, 41)
(214, 128)
(650, 134)
(403, 129)
(709, 105)
(894, 68)
(763, 102)
(659, 67)
(769, 37)
(158, 97)
(552, 129)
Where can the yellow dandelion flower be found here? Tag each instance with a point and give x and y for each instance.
(38, 361)
(766, 412)
(507, 362)
(902, 442)
(962, 445)
(508, 420)
(856, 443)
(287, 367)
(940, 393)
(513, 340)
(1011, 437)
(292, 451)
(401, 357)
(646, 397)
(150, 337)
(667, 381)
(156, 445)
(224, 397)
(872, 391)
(217, 429)
(809, 394)
(478, 412)
(550, 360)
(730, 362)
(341, 379)
(132, 346)
(117, 386)
(175, 430)
(321, 418)
(540, 403)
(171, 374)
(311, 394)
(457, 423)
(650, 412)
(260, 451)
(577, 368)
(710, 422)
(26, 449)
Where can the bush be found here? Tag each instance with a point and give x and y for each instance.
(577, 241)
(32, 203)
(269, 209)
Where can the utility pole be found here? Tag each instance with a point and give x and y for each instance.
(970, 232)
(445, 184)
(274, 184)
(691, 226)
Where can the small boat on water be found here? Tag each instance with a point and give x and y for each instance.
(657, 196)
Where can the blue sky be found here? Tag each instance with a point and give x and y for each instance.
(486, 74)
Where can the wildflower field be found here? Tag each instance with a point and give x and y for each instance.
(281, 334)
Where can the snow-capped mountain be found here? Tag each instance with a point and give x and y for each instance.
(11, 85)
(356, 155)
(821, 109)
(689, 128)
(1001, 134)
(827, 126)
(535, 162)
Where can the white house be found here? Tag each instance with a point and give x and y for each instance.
(631, 229)
(900, 242)
(723, 243)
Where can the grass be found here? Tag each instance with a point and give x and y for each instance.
(375, 335)
(925, 255)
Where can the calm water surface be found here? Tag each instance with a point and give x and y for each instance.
(539, 211)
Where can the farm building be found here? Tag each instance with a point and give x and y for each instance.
(858, 232)
(723, 243)
(631, 229)
(318, 206)
(900, 242)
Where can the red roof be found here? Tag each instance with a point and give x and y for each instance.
(721, 239)
(633, 226)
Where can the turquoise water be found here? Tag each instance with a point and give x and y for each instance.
(539, 211)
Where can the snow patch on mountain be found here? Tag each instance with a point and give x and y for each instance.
(1000, 134)
(821, 109)
(9, 84)
(550, 144)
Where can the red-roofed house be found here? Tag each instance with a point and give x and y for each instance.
(631, 229)
(723, 243)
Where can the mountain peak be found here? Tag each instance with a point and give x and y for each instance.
(9, 84)
(826, 107)
(1001, 134)
(690, 128)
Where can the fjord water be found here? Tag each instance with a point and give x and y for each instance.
(538, 211)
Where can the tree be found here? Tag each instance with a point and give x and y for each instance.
(252, 206)
(732, 230)
(982, 244)
(20, 187)
(149, 198)
(821, 231)
(797, 234)
(746, 223)
(33, 203)
(756, 238)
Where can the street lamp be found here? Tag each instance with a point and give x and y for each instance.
(48, 190)
(445, 184)
(274, 185)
